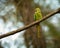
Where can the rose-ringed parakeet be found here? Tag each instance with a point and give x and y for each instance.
(38, 16)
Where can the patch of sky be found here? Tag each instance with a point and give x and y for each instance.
(36, 1)
(40, 2)
(2, 6)
(7, 9)
(54, 20)
(1, 26)
(58, 15)
(54, 4)
(45, 28)
(3, 1)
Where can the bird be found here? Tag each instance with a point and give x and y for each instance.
(38, 16)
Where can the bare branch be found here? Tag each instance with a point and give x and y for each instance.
(30, 25)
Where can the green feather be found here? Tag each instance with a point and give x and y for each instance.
(37, 14)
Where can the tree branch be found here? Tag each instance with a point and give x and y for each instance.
(30, 25)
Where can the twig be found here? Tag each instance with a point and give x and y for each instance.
(30, 25)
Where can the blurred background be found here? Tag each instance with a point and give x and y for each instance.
(15, 14)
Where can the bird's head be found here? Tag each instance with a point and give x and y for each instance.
(37, 10)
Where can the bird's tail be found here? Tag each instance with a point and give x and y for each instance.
(38, 30)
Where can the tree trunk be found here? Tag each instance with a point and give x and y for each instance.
(26, 10)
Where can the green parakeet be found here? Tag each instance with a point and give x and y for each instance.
(38, 16)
